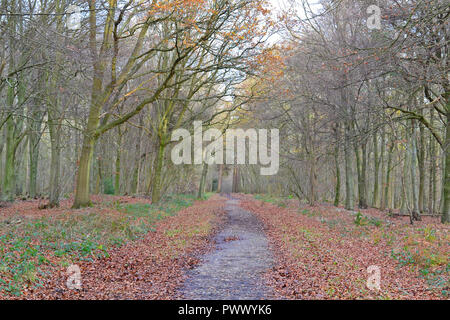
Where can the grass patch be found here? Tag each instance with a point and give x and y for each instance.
(362, 220)
(281, 202)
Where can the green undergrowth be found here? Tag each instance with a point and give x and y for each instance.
(362, 220)
(279, 201)
(28, 248)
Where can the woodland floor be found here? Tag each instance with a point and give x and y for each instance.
(126, 248)
(235, 247)
(323, 252)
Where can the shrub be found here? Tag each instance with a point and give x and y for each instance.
(108, 186)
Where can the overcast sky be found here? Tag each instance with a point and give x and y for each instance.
(280, 5)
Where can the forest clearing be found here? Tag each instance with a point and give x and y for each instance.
(224, 150)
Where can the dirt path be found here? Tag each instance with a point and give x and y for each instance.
(234, 270)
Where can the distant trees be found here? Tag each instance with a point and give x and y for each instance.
(365, 99)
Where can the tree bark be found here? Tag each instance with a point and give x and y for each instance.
(117, 171)
(54, 120)
(34, 127)
(33, 150)
(156, 184)
(445, 211)
(382, 156)
(14, 136)
(99, 180)
(349, 205)
(55, 137)
(312, 179)
(235, 188)
(337, 188)
(432, 170)
(421, 165)
(137, 164)
(376, 171)
(388, 175)
(82, 198)
(404, 205)
(10, 156)
(413, 156)
(219, 183)
(201, 188)
(361, 171)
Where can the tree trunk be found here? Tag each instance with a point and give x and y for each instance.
(99, 180)
(413, 157)
(137, 161)
(14, 136)
(33, 150)
(361, 170)
(9, 183)
(34, 127)
(376, 172)
(312, 179)
(219, 183)
(432, 181)
(382, 152)
(404, 205)
(235, 187)
(156, 185)
(134, 181)
(388, 176)
(2, 145)
(54, 120)
(82, 198)
(421, 165)
(443, 166)
(201, 188)
(55, 137)
(337, 189)
(117, 172)
(445, 211)
(349, 205)
(363, 196)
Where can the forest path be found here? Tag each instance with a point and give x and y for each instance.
(234, 270)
